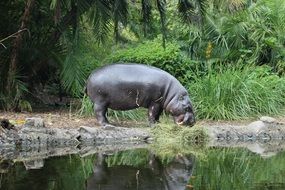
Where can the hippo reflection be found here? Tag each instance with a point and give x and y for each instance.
(173, 176)
(129, 86)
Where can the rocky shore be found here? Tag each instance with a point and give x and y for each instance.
(264, 129)
(33, 133)
(33, 140)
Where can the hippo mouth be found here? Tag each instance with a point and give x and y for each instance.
(184, 119)
(179, 119)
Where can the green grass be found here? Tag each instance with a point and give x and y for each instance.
(234, 92)
(86, 109)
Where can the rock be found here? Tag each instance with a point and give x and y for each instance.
(34, 164)
(256, 126)
(5, 124)
(267, 119)
(92, 130)
(32, 136)
(115, 134)
(34, 122)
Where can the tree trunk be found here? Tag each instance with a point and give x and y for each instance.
(17, 46)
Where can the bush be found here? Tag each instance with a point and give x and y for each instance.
(233, 92)
(152, 53)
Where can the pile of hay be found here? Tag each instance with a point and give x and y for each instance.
(171, 140)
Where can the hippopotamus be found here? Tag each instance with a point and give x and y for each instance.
(126, 86)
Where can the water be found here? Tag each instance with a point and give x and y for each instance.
(142, 169)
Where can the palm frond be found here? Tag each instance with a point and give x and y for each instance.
(236, 5)
(100, 17)
(192, 11)
(72, 75)
(185, 10)
(82, 6)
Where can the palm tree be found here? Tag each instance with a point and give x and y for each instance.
(67, 16)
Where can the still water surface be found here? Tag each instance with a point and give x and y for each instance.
(141, 169)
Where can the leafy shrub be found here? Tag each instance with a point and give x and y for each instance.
(233, 92)
(152, 53)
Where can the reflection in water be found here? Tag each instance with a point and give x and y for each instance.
(139, 169)
(173, 176)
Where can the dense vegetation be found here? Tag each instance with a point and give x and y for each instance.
(230, 55)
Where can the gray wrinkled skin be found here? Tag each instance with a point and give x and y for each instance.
(129, 86)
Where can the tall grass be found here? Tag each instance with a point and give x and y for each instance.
(86, 109)
(233, 92)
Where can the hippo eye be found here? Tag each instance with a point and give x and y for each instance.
(187, 109)
(180, 98)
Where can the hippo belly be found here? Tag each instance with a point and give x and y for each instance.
(132, 96)
(129, 86)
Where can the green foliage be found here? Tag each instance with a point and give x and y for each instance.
(237, 31)
(136, 115)
(24, 105)
(232, 92)
(152, 53)
(83, 56)
(60, 46)
(45, 54)
(148, 52)
(86, 108)
(17, 99)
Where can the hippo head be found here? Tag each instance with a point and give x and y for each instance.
(181, 109)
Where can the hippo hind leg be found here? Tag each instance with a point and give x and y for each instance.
(154, 111)
(100, 113)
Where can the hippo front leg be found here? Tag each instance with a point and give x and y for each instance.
(154, 112)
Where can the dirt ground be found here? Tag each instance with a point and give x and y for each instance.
(62, 118)
(51, 119)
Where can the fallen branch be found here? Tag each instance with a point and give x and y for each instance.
(13, 35)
